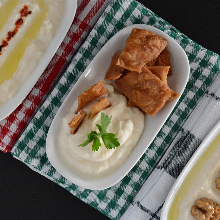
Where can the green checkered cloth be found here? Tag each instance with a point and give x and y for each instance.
(112, 202)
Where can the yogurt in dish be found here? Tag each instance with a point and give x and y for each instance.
(127, 124)
(199, 183)
(25, 49)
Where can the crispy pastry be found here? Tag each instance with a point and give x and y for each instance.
(93, 93)
(151, 63)
(145, 89)
(164, 60)
(130, 103)
(76, 122)
(160, 71)
(174, 95)
(97, 107)
(141, 47)
(114, 71)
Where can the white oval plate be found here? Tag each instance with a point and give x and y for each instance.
(198, 153)
(68, 16)
(96, 71)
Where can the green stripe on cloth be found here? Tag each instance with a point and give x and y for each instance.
(112, 202)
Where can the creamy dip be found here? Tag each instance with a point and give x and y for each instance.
(199, 183)
(24, 51)
(127, 124)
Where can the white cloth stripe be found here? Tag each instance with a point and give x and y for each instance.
(84, 13)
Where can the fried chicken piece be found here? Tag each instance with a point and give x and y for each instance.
(96, 108)
(164, 60)
(145, 89)
(76, 122)
(93, 93)
(114, 71)
(141, 47)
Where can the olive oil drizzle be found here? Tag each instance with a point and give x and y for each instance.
(11, 64)
(174, 211)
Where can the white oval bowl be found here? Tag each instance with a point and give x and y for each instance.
(68, 15)
(96, 71)
(196, 156)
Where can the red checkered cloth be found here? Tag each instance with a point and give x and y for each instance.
(87, 14)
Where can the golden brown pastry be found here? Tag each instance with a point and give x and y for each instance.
(160, 71)
(164, 60)
(99, 106)
(76, 122)
(114, 71)
(145, 89)
(93, 93)
(141, 47)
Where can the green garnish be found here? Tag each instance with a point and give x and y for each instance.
(109, 139)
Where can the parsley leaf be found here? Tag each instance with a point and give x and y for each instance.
(109, 139)
(96, 144)
(90, 137)
(105, 121)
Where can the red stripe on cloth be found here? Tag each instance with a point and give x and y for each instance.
(12, 127)
(94, 10)
(81, 7)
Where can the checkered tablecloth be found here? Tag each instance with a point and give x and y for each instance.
(140, 195)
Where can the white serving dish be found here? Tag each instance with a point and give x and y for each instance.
(196, 156)
(96, 71)
(68, 16)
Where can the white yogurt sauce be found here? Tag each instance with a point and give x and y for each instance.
(35, 49)
(126, 123)
(203, 187)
